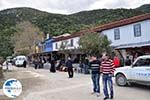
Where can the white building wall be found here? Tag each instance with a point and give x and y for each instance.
(75, 44)
(127, 34)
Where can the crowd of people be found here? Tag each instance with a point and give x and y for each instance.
(40, 62)
(98, 66)
(103, 66)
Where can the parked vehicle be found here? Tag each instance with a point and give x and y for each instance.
(21, 61)
(138, 72)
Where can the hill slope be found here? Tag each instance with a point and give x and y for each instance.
(57, 24)
(144, 8)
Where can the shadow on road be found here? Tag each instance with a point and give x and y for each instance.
(141, 87)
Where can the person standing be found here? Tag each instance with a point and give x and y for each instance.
(127, 61)
(86, 66)
(70, 67)
(35, 62)
(116, 62)
(107, 67)
(7, 65)
(25, 64)
(95, 74)
(52, 68)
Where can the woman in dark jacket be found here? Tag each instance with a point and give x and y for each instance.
(52, 68)
(70, 67)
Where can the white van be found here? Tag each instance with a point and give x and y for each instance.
(21, 61)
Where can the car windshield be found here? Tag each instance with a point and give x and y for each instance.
(20, 59)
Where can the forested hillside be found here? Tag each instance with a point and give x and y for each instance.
(57, 24)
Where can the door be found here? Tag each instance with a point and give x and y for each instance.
(140, 70)
(147, 69)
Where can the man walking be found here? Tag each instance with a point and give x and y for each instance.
(95, 74)
(70, 67)
(107, 67)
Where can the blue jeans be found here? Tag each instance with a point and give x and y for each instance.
(96, 85)
(107, 80)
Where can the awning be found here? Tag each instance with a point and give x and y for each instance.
(133, 45)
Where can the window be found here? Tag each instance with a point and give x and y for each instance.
(56, 46)
(137, 30)
(71, 42)
(142, 63)
(117, 34)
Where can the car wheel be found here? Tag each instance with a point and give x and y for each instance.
(121, 80)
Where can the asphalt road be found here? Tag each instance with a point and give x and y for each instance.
(42, 85)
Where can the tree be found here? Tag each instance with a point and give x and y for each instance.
(26, 37)
(94, 43)
(6, 47)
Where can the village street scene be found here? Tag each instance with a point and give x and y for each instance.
(75, 50)
(42, 85)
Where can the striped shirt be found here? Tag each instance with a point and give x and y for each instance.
(107, 67)
(95, 66)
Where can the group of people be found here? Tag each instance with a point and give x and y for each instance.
(106, 68)
(130, 58)
(84, 66)
(40, 61)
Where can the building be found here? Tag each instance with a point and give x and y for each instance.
(48, 45)
(66, 46)
(129, 36)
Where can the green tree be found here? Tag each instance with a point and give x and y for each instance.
(94, 43)
(5, 42)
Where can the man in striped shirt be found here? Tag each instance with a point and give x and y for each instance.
(95, 75)
(107, 68)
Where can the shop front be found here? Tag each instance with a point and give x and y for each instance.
(134, 50)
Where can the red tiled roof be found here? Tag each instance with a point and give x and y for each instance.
(108, 26)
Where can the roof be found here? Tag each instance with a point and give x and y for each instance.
(122, 22)
(111, 25)
(133, 45)
(63, 35)
(145, 56)
(77, 34)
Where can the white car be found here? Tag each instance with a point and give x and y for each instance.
(20, 60)
(138, 72)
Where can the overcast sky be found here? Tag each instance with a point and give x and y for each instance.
(71, 6)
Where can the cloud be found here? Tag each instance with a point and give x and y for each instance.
(54, 6)
(71, 6)
(118, 4)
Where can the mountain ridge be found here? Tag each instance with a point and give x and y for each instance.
(58, 24)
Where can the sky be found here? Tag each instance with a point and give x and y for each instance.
(71, 6)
